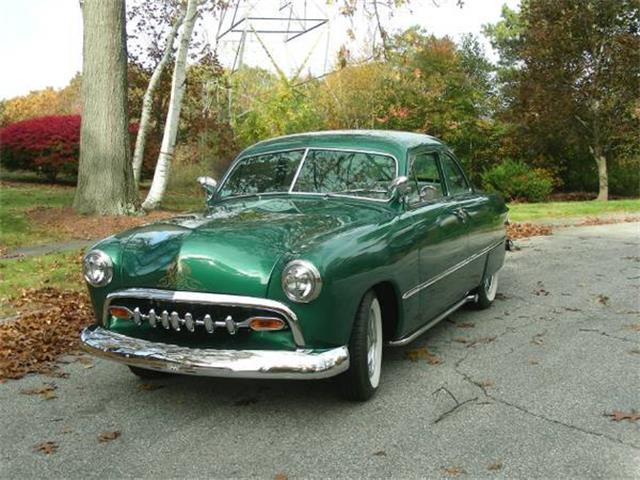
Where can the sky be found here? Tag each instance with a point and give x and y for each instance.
(41, 40)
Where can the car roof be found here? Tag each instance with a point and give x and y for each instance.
(391, 142)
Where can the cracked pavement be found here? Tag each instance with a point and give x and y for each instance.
(522, 390)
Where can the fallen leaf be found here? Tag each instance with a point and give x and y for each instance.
(47, 391)
(603, 299)
(380, 453)
(46, 447)
(150, 386)
(494, 467)
(481, 341)
(571, 309)
(486, 383)
(524, 230)
(453, 471)
(422, 354)
(635, 327)
(465, 325)
(280, 476)
(108, 436)
(618, 416)
(537, 338)
(607, 221)
(533, 361)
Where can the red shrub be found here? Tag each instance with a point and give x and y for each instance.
(49, 145)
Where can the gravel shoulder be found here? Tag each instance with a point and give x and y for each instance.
(522, 390)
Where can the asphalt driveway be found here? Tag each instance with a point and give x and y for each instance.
(519, 390)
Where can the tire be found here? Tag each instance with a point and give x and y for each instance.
(487, 291)
(360, 382)
(147, 374)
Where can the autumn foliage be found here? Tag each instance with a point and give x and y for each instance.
(48, 145)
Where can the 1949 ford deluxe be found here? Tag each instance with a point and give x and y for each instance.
(314, 251)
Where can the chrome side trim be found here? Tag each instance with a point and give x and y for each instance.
(412, 336)
(209, 298)
(299, 364)
(449, 271)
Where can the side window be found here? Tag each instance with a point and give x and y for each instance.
(424, 178)
(455, 178)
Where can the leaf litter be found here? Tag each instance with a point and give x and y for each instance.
(36, 340)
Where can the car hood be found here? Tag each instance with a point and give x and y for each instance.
(235, 246)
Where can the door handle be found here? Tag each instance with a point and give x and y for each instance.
(461, 213)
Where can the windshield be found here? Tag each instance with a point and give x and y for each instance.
(336, 172)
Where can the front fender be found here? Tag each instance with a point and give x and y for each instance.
(349, 267)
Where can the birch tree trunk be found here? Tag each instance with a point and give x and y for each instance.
(147, 101)
(161, 174)
(105, 177)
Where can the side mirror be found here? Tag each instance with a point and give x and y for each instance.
(399, 188)
(209, 185)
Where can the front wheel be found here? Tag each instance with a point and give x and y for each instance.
(361, 381)
(487, 291)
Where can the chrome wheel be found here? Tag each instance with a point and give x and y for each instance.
(490, 285)
(374, 343)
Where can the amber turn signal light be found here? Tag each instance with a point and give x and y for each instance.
(120, 312)
(266, 323)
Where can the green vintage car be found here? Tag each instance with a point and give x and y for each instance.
(315, 251)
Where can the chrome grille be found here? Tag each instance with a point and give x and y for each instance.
(195, 306)
(172, 320)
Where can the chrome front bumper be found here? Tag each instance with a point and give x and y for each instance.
(299, 364)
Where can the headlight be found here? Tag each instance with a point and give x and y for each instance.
(97, 268)
(301, 281)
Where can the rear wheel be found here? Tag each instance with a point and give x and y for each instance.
(361, 381)
(147, 374)
(487, 291)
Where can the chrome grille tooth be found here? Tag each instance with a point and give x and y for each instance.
(165, 319)
(136, 316)
(175, 321)
(152, 318)
(231, 325)
(208, 323)
(189, 323)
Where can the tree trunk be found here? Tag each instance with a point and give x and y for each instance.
(147, 102)
(161, 174)
(105, 176)
(603, 177)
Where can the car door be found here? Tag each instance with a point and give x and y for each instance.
(472, 210)
(441, 237)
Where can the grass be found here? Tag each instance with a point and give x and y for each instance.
(522, 212)
(15, 202)
(60, 270)
(17, 199)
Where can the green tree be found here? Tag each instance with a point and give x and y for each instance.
(571, 71)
